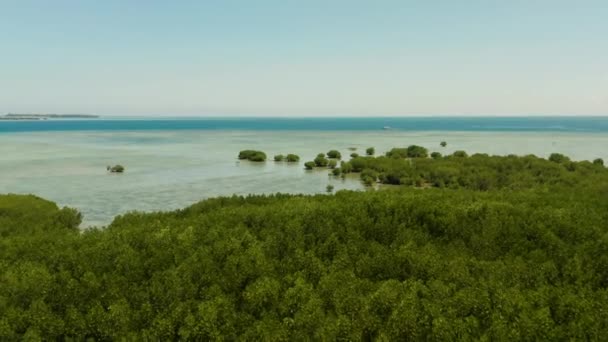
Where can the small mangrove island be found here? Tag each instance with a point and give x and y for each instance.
(252, 155)
(290, 158)
(116, 168)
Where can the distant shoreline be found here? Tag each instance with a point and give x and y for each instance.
(36, 117)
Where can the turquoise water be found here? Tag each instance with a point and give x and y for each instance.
(454, 124)
(172, 168)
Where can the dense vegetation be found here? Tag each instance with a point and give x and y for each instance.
(401, 166)
(252, 155)
(524, 259)
(412, 151)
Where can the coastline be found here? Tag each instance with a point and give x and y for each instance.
(44, 117)
(170, 169)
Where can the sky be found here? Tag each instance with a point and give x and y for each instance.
(304, 58)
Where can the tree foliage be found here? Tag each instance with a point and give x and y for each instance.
(309, 165)
(558, 158)
(413, 151)
(116, 169)
(477, 172)
(321, 161)
(252, 155)
(292, 158)
(334, 154)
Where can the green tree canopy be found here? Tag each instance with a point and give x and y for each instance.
(252, 155)
(292, 158)
(321, 161)
(412, 151)
(334, 154)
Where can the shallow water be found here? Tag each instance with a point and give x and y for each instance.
(173, 169)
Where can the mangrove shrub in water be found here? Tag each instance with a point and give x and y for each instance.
(334, 154)
(292, 158)
(252, 155)
(116, 169)
(321, 161)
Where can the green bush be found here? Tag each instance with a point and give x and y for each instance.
(354, 155)
(370, 151)
(252, 155)
(321, 161)
(460, 154)
(412, 151)
(558, 158)
(116, 169)
(369, 173)
(258, 157)
(279, 157)
(245, 154)
(415, 151)
(332, 164)
(310, 165)
(346, 167)
(334, 154)
(435, 155)
(293, 158)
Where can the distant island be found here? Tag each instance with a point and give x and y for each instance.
(13, 116)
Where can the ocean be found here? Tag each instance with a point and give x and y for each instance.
(172, 163)
(452, 124)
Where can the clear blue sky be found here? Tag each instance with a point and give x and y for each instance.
(331, 57)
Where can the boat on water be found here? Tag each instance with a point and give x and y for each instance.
(386, 128)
